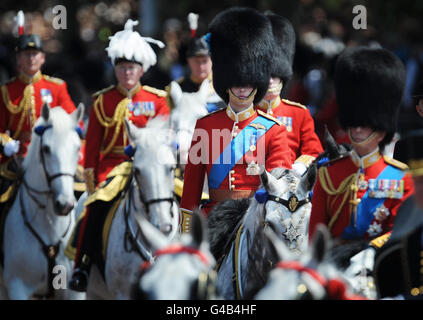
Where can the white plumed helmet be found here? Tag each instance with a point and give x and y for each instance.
(130, 45)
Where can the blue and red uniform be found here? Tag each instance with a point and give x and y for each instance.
(358, 198)
(249, 135)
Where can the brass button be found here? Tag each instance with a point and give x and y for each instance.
(232, 187)
(232, 179)
(232, 171)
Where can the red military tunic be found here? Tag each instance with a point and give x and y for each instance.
(22, 100)
(106, 136)
(302, 139)
(207, 146)
(381, 186)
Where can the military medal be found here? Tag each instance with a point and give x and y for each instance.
(253, 140)
(137, 109)
(362, 183)
(374, 229)
(381, 213)
(46, 96)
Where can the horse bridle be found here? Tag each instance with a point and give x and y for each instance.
(147, 203)
(292, 204)
(205, 284)
(335, 288)
(49, 178)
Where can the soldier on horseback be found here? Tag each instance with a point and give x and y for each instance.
(241, 43)
(302, 138)
(106, 137)
(21, 101)
(358, 195)
(200, 66)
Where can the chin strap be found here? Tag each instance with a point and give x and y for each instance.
(242, 100)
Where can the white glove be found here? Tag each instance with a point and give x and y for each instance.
(11, 147)
(299, 168)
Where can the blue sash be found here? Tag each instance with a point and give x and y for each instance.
(234, 151)
(368, 206)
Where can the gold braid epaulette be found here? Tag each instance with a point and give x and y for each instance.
(27, 103)
(117, 120)
(343, 189)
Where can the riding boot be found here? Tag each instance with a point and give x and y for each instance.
(84, 253)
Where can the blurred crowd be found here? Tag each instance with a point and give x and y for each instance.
(77, 54)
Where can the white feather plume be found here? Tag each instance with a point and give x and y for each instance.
(193, 20)
(130, 45)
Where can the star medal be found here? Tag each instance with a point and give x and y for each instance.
(291, 233)
(253, 169)
(381, 213)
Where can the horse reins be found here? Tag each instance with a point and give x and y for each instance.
(49, 251)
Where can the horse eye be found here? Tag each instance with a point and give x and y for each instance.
(46, 149)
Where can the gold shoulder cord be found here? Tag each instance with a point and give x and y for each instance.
(345, 189)
(117, 120)
(26, 103)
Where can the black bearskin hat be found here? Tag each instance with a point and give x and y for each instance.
(241, 42)
(283, 54)
(369, 85)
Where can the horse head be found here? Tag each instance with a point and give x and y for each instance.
(188, 108)
(182, 269)
(55, 146)
(309, 276)
(288, 204)
(153, 168)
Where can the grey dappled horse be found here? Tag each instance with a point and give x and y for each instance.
(311, 276)
(182, 270)
(150, 194)
(41, 219)
(236, 230)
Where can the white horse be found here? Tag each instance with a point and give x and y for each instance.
(188, 108)
(310, 276)
(150, 194)
(41, 218)
(182, 270)
(284, 203)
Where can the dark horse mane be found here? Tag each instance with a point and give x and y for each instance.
(222, 221)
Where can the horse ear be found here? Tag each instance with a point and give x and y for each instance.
(130, 130)
(204, 89)
(268, 181)
(149, 234)
(320, 244)
(175, 92)
(197, 228)
(331, 146)
(280, 248)
(45, 111)
(78, 113)
(308, 180)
